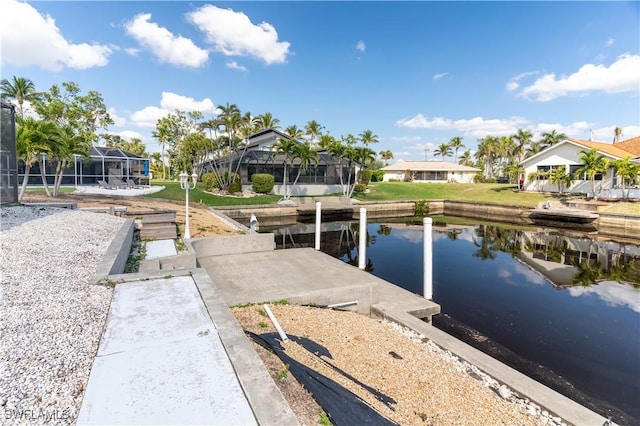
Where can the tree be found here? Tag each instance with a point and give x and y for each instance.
(306, 155)
(69, 143)
(386, 156)
(443, 150)
(287, 147)
(465, 159)
(592, 165)
(367, 137)
(267, 121)
(617, 132)
(487, 153)
(456, 144)
(326, 140)
(524, 139)
(313, 130)
(561, 178)
(19, 89)
(32, 141)
(627, 170)
(551, 138)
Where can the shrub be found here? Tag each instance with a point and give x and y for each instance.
(359, 187)
(422, 208)
(364, 177)
(209, 181)
(377, 175)
(262, 183)
(235, 187)
(489, 180)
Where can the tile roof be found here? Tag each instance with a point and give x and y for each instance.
(618, 150)
(428, 166)
(632, 145)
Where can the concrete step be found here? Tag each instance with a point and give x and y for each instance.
(162, 231)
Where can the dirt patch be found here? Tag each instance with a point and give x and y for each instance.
(203, 223)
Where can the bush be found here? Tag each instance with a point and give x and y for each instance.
(377, 175)
(262, 183)
(489, 180)
(422, 208)
(209, 181)
(235, 187)
(359, 187)
(364, 177)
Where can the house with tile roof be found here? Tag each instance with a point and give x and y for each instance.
(429, 171)
(567, 153)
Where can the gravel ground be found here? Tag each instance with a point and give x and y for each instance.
(430, 386)
(52, 319)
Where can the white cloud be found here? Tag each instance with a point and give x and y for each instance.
(171, 102)
(361, 46)
(440, 75)
(610, 41)
(130, 134)
(513, 84)
(605, 134)
(612, 293)
(117, 120)
(233, 34)
(477, 126)
(29, 38)
(132, 51)
(406, 138)
(164, 45)
(235, 66)
(621, 76)
(148, 116)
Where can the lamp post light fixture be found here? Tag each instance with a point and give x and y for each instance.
(186, 185)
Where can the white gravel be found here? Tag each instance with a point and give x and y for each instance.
(52, 318)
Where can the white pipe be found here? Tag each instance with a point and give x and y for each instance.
(318, 222)
(362, 251)
(428, 259)
(343, 304)
(275, 322)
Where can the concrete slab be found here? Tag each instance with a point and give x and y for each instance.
(161, 361)
(160, 248)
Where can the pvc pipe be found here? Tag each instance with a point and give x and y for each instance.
(428, 259)
(362, 251)
(342, 304)
(275, 322)
(318, 221)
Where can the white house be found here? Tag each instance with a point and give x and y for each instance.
(429, 171)
(567, 153)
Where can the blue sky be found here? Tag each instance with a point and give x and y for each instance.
(415, 73)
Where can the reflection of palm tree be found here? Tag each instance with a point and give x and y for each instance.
(452, 234)
(384, 229)
(485, 251)
(588, 273)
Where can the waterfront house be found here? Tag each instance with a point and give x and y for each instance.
(429, 171)
(567, 153)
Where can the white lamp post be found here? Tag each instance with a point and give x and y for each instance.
(186, 185)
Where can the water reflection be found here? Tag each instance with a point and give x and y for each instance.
(566, 301)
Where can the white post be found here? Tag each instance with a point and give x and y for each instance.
(187, 233)
(318, 221)
(362, 251)
(428, 259)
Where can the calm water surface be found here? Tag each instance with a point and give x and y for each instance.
(565, 302)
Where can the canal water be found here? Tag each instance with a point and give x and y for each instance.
(563, 308)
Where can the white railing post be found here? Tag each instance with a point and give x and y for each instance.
(362, 251)
(318, 221)
(428, 259)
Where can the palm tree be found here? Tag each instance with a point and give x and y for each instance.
(70, 143)
(19, 89)
(487, 153)
(627, 170)
(456, 144)
(617, 132)
(306, 155)
(267, 121)
(31, 143)
(313, 129)
(560, 177)
(592, 165)
(465, 159)
(524, 138)
(326, 140)
(443, 150)
(386, 156)
(551, 138)
(288, 148)
(534, 148)
(367, 137)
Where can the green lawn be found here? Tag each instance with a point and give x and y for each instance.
(473, 192)
(173, 192)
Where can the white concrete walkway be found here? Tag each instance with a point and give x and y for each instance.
(160, 248)
(161, 361)
(132, 192)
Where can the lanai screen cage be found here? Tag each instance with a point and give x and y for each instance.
(8, 163)
(102, 163)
